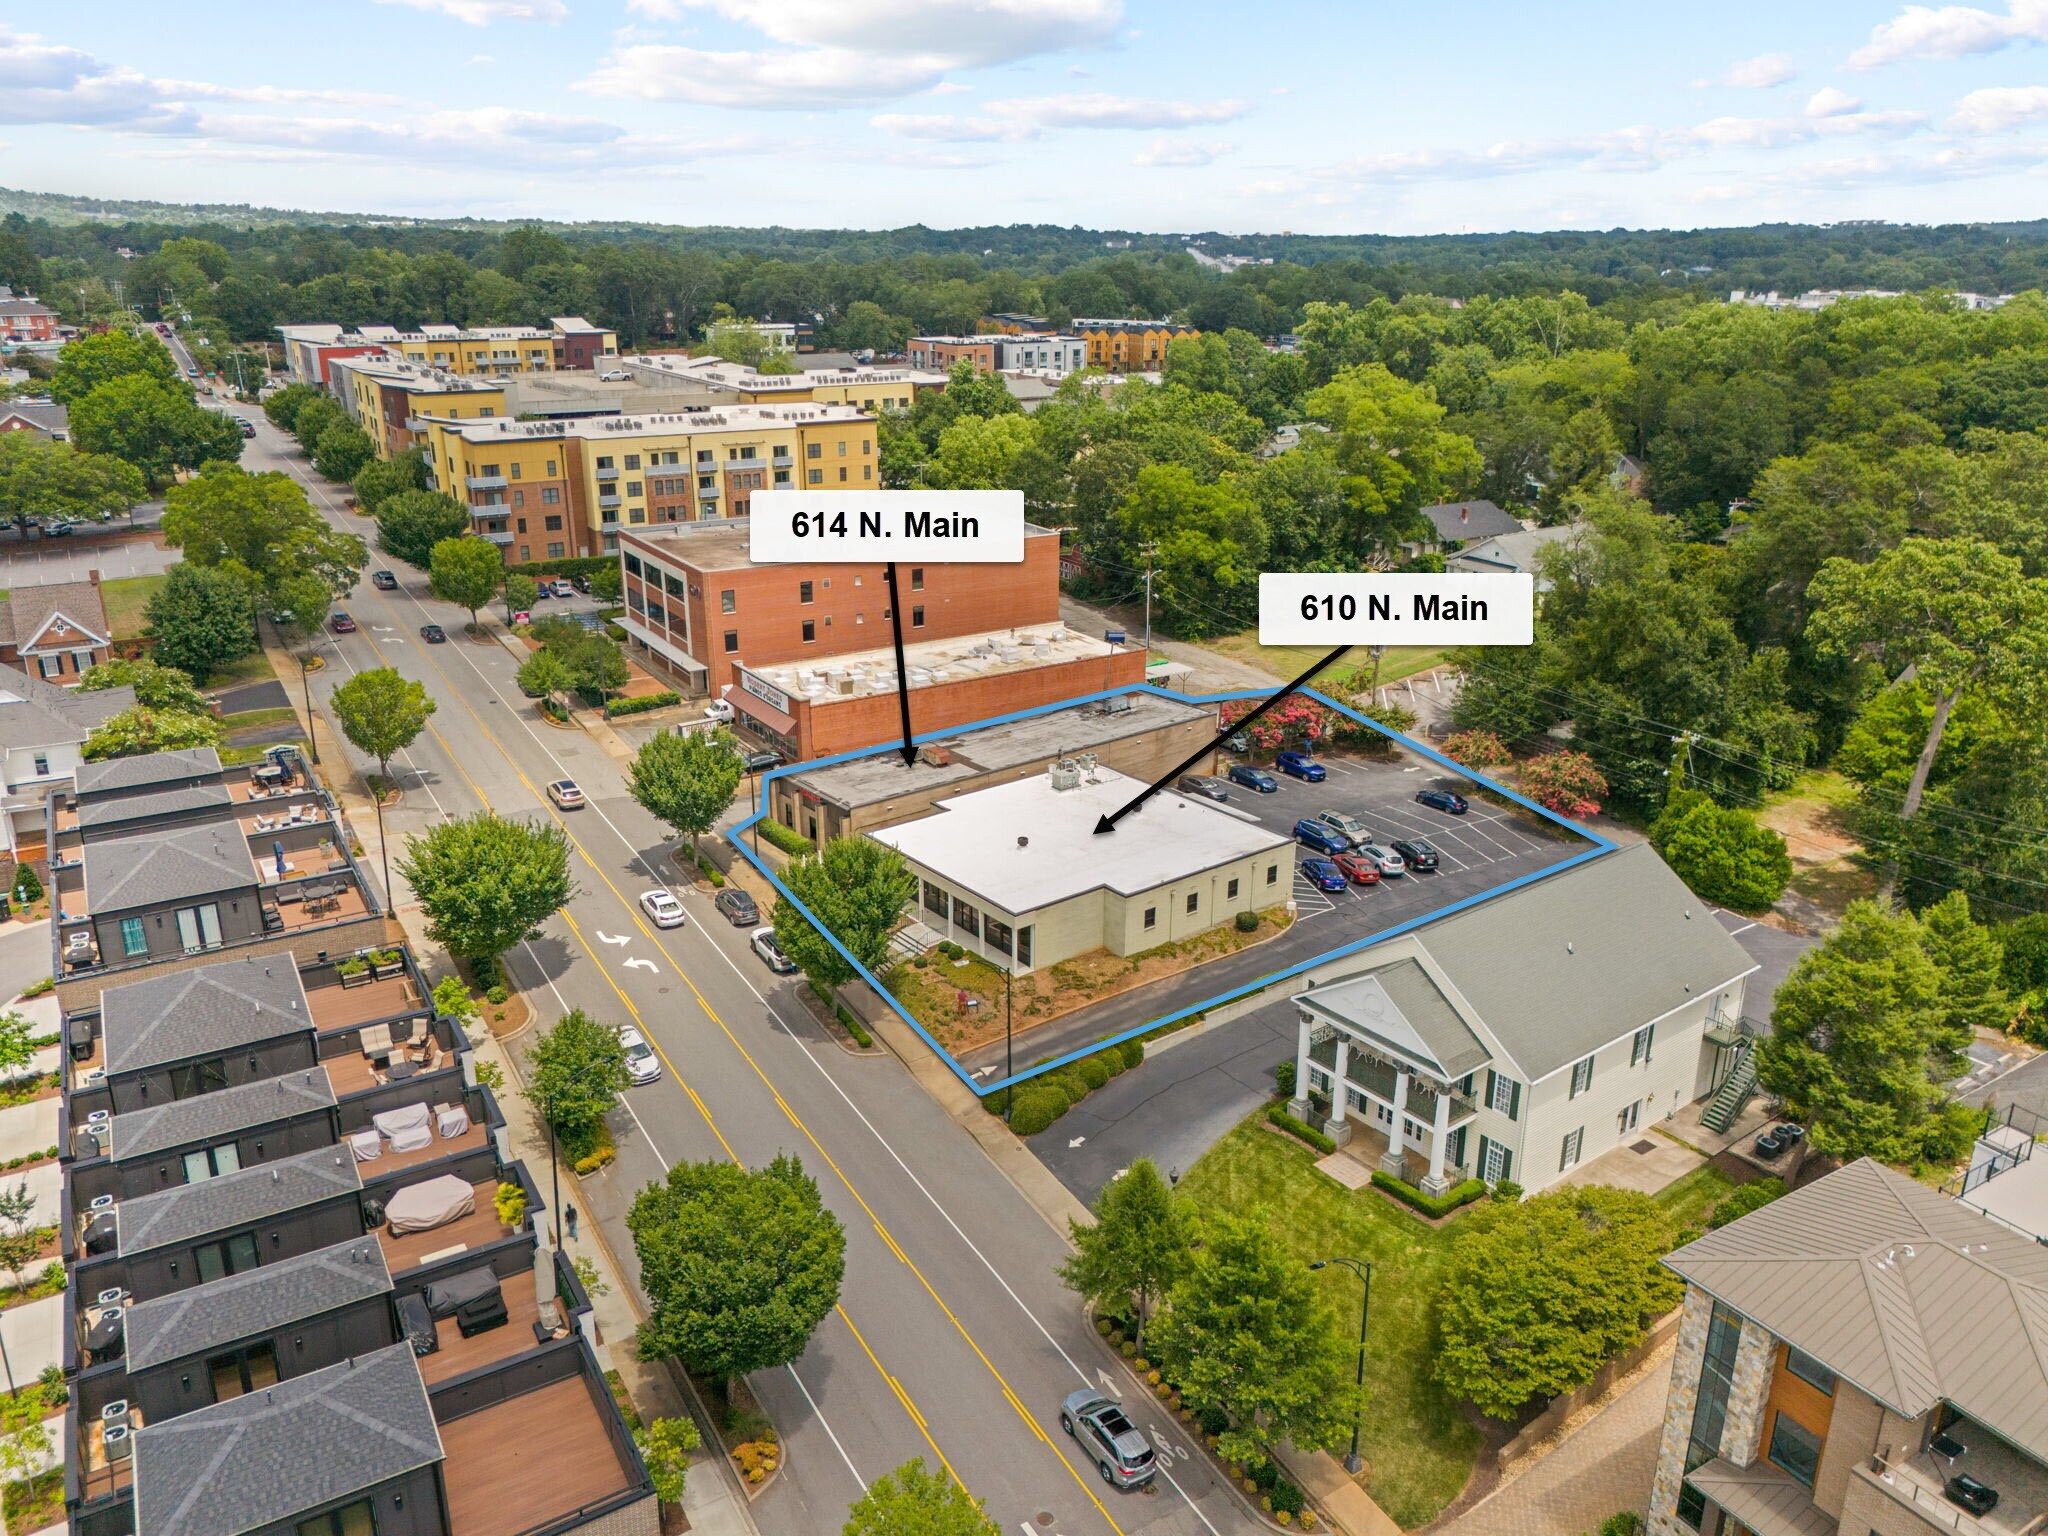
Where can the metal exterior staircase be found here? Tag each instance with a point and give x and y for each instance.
(1735, 1092)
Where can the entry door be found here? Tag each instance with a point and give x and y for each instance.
(246, 1370)
(1628, 1119)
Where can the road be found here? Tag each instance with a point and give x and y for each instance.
(954, 1340)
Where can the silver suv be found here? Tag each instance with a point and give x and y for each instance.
(1118, 1447)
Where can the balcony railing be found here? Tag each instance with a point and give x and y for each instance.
(607, 474)
(783, 460)
(609, 499)
(486, 482)
(494, 535)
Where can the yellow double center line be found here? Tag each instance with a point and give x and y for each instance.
(881, 1229)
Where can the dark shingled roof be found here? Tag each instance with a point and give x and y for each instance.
(152, 768)
(235, 1199)
(200, 1012)
(244, 1306)
(219, 1116)
(156, 869)
(34, 713)
(173, 801)
(1469, 520)
(266, 1456)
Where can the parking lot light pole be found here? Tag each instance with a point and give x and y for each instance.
(1362, 1268)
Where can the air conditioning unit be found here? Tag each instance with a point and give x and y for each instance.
(115, 1412)
(100, 1203)
(94, 1076)
(112, 1297)
(99, 1117)
(118, 1441)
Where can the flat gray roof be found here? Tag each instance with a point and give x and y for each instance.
(203, 1317)
(235, 1199)
(722, 545)
(210, 1009)
(218, 1116)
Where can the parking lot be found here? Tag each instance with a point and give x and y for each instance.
(1478, 852)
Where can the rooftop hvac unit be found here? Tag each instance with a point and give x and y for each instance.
(115, 1412)
(118, 1442)
(1065, 775)
(100, 1203)
(113, 1296)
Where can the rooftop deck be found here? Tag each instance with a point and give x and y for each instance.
(492, 1489)
(479, 1227)
(471, 1140)
(2022, 1484)
(97, 1476)
(457, 1354)
(337, 1007)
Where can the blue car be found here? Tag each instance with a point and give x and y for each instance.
(1320, 837)
(1442, 800)
(1253, 778)
(1299, 765)
(1324, 875)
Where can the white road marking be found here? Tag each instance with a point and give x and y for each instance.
(1072, 1141)
(1743, 929)
(634, 962)
(1109, 1385)
(613, 938)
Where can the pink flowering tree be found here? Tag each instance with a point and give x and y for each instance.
(1564, 782)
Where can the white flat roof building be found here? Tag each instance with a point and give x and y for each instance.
(1018, 872)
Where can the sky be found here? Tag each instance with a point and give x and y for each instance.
(1316, 116)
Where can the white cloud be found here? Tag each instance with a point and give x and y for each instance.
(1182, 154)
(482, 58)
(1951, 32)
(481, 13)
(1829, 102)
(1030, 117)
(797, 81)
(970, 32)
(1996, 109)
(1757, 74)
(944, 128)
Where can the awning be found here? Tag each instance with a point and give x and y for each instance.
(1762, 1498)
(760, 709)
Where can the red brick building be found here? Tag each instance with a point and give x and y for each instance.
(940, 353)
(26, 319)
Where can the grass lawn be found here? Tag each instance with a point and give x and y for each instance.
(1419, 1447)
(256, 719)
(232, 756)
(243, 670)
(126, 597)
(1292, 660)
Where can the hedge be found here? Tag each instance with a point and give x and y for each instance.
(574, 565)
(854, 1027)
(1408, 1194)
(788, 839)
(1035, 1107)
(642, 705)
(1308, 1133)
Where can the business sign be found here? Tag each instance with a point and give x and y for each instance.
(1408, 608)
(785, 527)
(765, 691)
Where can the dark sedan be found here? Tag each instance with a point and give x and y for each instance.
(433, 634)
(1323, 875)
(1300, 765)
(1202, 785)
(384, 581)
(1254, 778)
(1442, 800)
(342, 624)
(1415, 853)
(737, 907)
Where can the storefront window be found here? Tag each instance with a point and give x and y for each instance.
(996, 936)
(934, 899)
(965, 918)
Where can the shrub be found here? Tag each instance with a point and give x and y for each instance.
(1721, 853)
(788, 839)
(1507, 1191)
(1265, 1476)
(951, 950)
(1287, 1500)
(1112, 1062)
(1247, 922)
(510, 1204)
(602, 1157)
(1133, 1053)
(1308, 1133)
(38, 988)
(1476, 749)
(1283, 1079)
(1035, 1107)
(1214, 1420)
(27, 888)
(1127, 1349)
(1749, 1197)
(1625, 1522)
(1566, 783)
(1408, 1194)
(642, 705)
(1092, 1071)
(497, 996)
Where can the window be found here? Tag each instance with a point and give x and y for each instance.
(212, 1162)
(728, 601)
(50, 666)
(673, 585)
(246, 1370)
(230, 1256)
(632, 461)
(522, 524)
(708, 483)
(353, 1520)
(842, 474)
(804, 593)
(605, 462)
(1639, 1047)
(1230, 891)
(814, 450)
(704, 456)
(555, 550)
(42, 765)
(1496, 1162)
(1151, 917)
(1810, 1371)
(1795, 1449)
(917, 578)
(1503, 1094)
(554, 523)
(134, 941)
(1568, 1153)
(842, 449)
(934, 899)
(1628, 1119)
(867, 471)
(965, 918)
(1582, 1077)
(633, 487)
(917, 617)
(519, 498)
(810, 630)
(817, 477)
(1024, 945)
(1194, 903)
(199, 928)
(1272, 874)
(996, 936)
(732, 641)
(188, 1082)
(551, 468)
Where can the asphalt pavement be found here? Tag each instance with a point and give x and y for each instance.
(954, 1339)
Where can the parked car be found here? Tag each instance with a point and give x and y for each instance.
(342, 624)
(565, 793)
(661, 905)
(1358, 869)
(1253, 778)
(718, 709)
(542, 591)
(1442, 800)
(1118, 1448)
(1203, 786)
(580, 583)
(562, 587)
(763, 944)
(1388, 861)
(384, 581)
(1239, 742)
(1323, 839)
(614, 376)
(642, 1065)
(760, 762)
(1299, 765)
(1415, 853)
(248, 427)
(58, 527)
(433, 634)
(1350, 826)
(1323, 874)
(738, 907)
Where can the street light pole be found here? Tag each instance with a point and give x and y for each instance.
(1354, 1463)
(1009, 1059)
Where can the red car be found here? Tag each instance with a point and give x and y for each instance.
(1358, 869)
(342, 624)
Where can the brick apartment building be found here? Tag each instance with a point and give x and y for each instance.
(942, 352)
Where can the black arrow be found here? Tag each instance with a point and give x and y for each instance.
(1108, 823)
(902, 675)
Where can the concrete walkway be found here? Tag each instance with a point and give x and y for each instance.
(33, 1335)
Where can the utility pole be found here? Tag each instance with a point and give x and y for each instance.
(1149, 550)
(1681, 764)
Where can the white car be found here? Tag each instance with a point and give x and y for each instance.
(642, 1065)
(661, 905)
(614, 376)
(565, 794)
(718, 709)
(763, 944)
(1385, 860)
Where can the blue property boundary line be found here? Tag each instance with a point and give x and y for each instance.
(1601, 846)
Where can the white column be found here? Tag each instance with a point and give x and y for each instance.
(1395, 1159)
(1298, 1106)
(1436, 1184)
(1338, 1126)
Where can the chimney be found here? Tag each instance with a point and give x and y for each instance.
(1464, 514)
(93, 576)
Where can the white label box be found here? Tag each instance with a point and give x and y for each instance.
(943, 527)
(1407, 608)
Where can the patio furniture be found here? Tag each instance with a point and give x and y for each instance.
(376, 1040)
(429, 1204)
(446, 1297)
(417, 1324)
(1978, 1498)
(367, 1145)
(488, 1312)
(286, 893)
(451, 1120)
(400, 1069)
(273, 919)
(406, 1128)
(1947, 1447)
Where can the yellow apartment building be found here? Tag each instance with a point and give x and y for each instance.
(388, 398)
(1129, 346)
(545, 490)
(718, 382)
(566, 343)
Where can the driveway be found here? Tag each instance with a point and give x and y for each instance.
(1773, 949)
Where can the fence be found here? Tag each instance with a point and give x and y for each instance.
(1553, 1418)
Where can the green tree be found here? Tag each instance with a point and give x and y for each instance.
(1721, 853)
(20, 1242)
(858, 889)
(520, 592)
(17, 1037)
(90, 361)
(465, 571)
(342, 451)
(665, 1445)
(313, 421)
(382, 712)
(1209, 543)
(739, 1265)
(283, 407)
(201, 619)
(575, 1076)
(137, 732)
(1971, 960)
(51, 479)
(1539, 1294)
(154, 426)
(1862, 1044)
(381, 479)
(486, 881)
(411, 523)
(686, 781)
(913, 1502)
(261, 528)
(1396, 455)
(1137, 1250)
(156, 685)
(544, 675)
(1248, 1332)
(606, 584)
